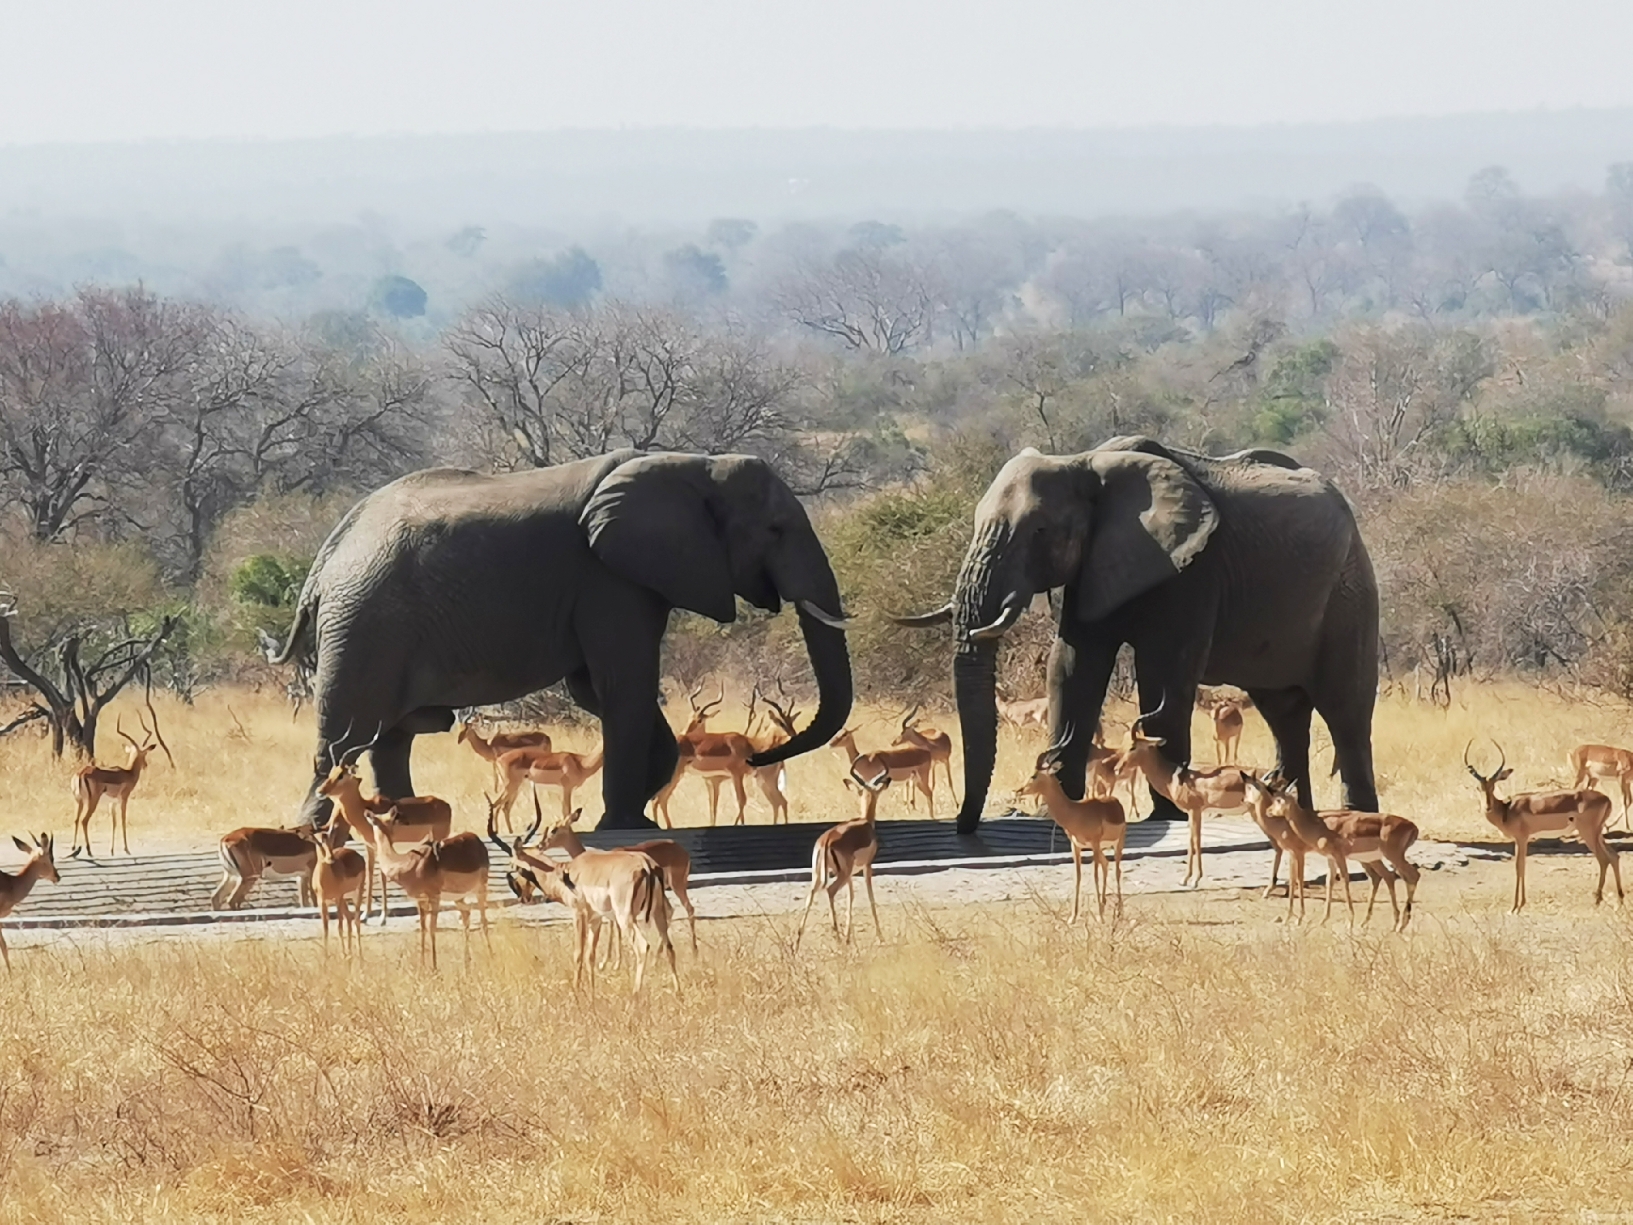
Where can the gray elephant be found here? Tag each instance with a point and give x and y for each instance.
(450, 588)
(1244, 569)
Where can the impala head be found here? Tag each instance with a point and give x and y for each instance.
(1047, 766)
(40, 851)
(845, 740)
(1488, 783)
(523, 873)
(1263, 792)
(1138, 740)
(783, 716)
(868, 788)
(702, 714)
(342, 775)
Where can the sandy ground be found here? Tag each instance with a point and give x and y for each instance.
(1230, 876)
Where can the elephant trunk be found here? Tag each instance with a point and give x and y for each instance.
(975, 672)
(984, 607)
(831, 664)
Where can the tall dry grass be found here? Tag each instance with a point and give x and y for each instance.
(1196, 1061)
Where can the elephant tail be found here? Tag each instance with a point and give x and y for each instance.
(296, 645)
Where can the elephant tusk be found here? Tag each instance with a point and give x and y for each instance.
(828, 619)
(940, 616)
(1001, 626)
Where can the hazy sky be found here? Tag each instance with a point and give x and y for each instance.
(118, 69)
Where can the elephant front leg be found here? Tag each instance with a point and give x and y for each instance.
(1287, 713)
(1079, 673)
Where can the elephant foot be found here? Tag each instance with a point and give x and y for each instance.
(614, 820)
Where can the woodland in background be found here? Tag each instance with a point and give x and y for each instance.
(1464, 372)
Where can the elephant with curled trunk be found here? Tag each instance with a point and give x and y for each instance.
(1244, 569)
(450, 588)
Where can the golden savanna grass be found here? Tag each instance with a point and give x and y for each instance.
(1197, 1061)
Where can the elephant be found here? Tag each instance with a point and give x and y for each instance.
(1244, 569)
(449, 588)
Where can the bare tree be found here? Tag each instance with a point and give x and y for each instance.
(870, 298)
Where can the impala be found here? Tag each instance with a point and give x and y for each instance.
(773, 779)
(1279, 830)
(1529, 814)
(454, 867)
(1376, 841)
(935, 742)
(1227, 731)
(840, 851)
(339, 876)
(252, 852)
(1032, 710)
(901, 763)
(1220, 790)
(624, 886)
(93, 782)
(15, 886)
(497, 745)
(672, 859)
(1591, 763)
(408, 820)
(1094, 822)
(568, 771)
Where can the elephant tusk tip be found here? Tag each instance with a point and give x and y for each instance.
(827, 618)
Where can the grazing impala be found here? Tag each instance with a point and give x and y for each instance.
(252, 852)
(1031, 710)
(1095, 822)
(455, 868)
(1220, 790)
(1601, 763)
(93, 782)
(623, 886)
(668, 854)
(408, 820)
(902, 763)
(1523, 817)
(1376, 841)
(15, 886)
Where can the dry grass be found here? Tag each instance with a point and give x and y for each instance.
(1197, 1061)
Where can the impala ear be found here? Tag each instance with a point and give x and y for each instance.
(21, 845)
(1150, 520)
(654, 521)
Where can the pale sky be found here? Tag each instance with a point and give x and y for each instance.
(82, 70)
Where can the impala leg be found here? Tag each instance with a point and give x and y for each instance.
(465, 928)
(1332, 870)
(323, 913)
(1077, 880)
(1275, 866)
(1374, 878)
(1102, 879)
(1608, 860)
(867, 877)
(679, 886)
(810, 900)
(482, 911)
(1117, 859)
(850, 906)
(431, 912)
(737, 781)
(1349, 897)
(927, 784)
(833, 911)
(1296, 868)
(1196, 848)
(639, 941)
(1519, 874)
(4, 955)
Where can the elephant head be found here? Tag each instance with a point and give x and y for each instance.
(700, 531)
(1106, 525)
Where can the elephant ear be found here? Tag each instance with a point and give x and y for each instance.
(651, 521)
(1151, 519)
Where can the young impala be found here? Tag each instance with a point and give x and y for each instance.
(1227, 731)
(1220, 790)
(1529, 814)
(408, 820)
(15, 886)
(1094, 822)
(454, 867)
(841, 851)
(338, 876)
(93, 782)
